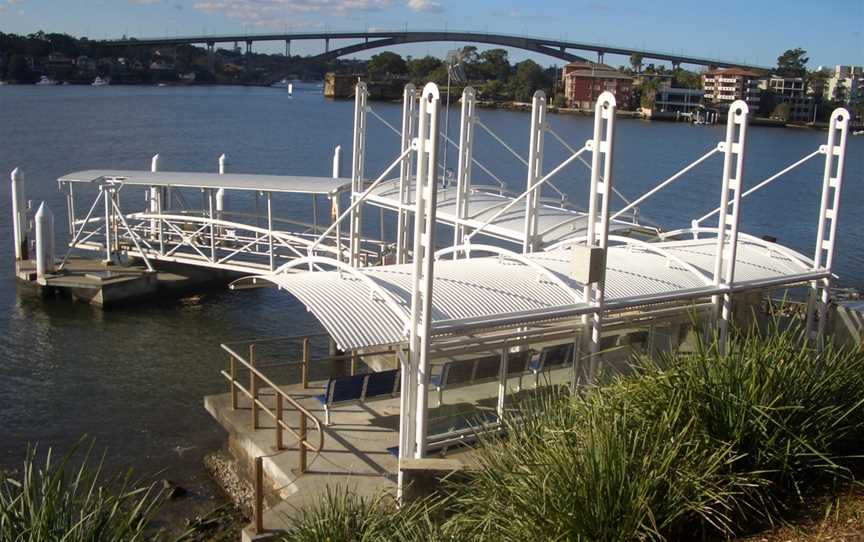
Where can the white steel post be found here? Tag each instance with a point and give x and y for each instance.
(535, 169)
(154, 196)
(466, 155)
(357, 166)
(221, 198)
(44, 241)
(826, 238)
(601, 147)
(334, 200)
(409, 105)
(19, 214)
(337, 161)
(730, 217)
(109, 252)
(424, 260)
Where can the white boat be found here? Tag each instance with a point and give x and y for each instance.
(281, 84)
(99, 82)
(45, 80)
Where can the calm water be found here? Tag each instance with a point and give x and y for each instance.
(134, 378)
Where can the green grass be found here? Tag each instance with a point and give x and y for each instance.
(700, 445)
(56, 501)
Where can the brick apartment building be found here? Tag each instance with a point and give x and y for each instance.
(585, 81)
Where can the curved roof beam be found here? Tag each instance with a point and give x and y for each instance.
(543, 271)
(650, 247)
(805, 262)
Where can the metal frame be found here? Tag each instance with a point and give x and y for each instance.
(423, 264)
(601, 147)
(729, 217)
(829, 208)
(466, 156)
(535, 169)
(357, 169)
(409, 106)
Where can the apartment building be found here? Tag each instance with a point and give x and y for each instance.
(846, 84)
(585, 81)
(793, 92)
(730, 84)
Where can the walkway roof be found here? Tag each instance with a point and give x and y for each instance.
(350, 304)
(228, 181)
(555, 223)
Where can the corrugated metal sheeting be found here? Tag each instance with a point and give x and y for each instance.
(554, 222)
(355, 315)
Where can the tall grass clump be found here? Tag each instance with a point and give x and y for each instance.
(690, 444)
(341, 515)
(56, 501)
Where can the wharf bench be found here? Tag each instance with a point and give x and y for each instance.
(477, 370)
(360, 388)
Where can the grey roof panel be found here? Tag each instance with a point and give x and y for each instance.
(228, 181)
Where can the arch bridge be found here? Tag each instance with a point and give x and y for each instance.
(366, 40)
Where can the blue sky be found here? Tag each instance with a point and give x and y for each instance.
(754, 31)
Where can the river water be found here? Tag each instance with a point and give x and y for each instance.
(134, 378)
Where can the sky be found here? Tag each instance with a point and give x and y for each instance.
(753, 31)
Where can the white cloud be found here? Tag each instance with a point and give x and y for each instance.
(144, 2)
(427, 6)
(266, 12)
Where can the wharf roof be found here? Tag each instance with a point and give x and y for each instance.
(555, 223)
(370, 306)
(228, 181)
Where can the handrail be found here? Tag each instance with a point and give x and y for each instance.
(536, 185)
(820, 150)
(284, 397)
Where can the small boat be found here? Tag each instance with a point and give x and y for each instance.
(45, 80)
(281, 84)
(99, 82)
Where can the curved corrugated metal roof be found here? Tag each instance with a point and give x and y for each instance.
(490, 286)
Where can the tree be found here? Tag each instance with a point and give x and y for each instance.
(494, 64)
(386, 64)
(420, 68)
(792, 63)
(529, 77)
(19, 71)
(636, 62)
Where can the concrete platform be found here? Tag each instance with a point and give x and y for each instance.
(355, 453)
(102, 284)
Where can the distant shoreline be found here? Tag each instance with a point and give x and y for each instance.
(485, 104)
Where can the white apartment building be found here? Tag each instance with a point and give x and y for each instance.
(846, 84)
(730, 84)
